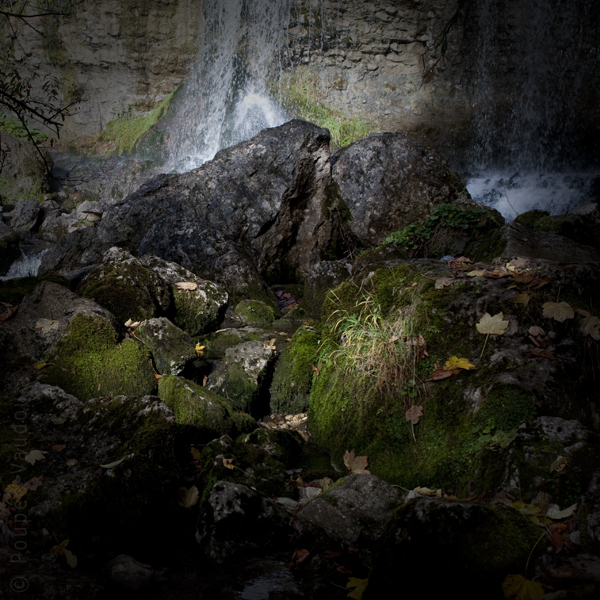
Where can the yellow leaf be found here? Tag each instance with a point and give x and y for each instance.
(196, 454)
(458, 363)
(188, 497)
(359, 585)
(492, 325)
(70, 558)
(590, 325)
(516, 587)
(476, 273)
(16, 490)
(35, 455)
(39, 366)
(559, 311)
(227, 463)
(522, 299)
(187, 285)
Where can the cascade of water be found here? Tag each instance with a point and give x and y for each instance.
(531, 147)
(25, 266)
(227, 99)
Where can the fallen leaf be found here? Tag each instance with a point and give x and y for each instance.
(157, 376)
(344, 570)
(462, 262)
(188, 497)
(456, 364)
(113, 464)
(71, 462)
(35, 455)
(556, 515)
(316, 369)
(589, 325)
(355, 464)
(199, 349)
(8, 313)
(516, 587)
(227, 463)
(443, 282)
(537, 331)
(359, 585)
(540, 353)
(518, 263)
(270, 345)
(196, 454)
(439, 373)
(492, 325)
(187, 285)
(331, 554)
(46, 325)
(559, 311)
(59, 447)
(34, 483)
(424, 491)
(39, 366)
(16, 490)
(300, 555)
(476, 273)
(414, 413)
(418, 343)
(497, 273)
(522, 299)
(70, 558)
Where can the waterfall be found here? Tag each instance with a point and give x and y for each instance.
(228, 98)
(531, 88)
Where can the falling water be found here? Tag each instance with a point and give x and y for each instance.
(531, 148)
(27, 265)
(228, 98)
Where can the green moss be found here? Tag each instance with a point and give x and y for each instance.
(303, 95)
(530, 218)
(87, 364)
(126, 130)
(255, 313)
(292, 381)
(504, 408)
(196, 405)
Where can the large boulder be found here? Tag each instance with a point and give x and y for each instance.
(265, 195)
(388, 182)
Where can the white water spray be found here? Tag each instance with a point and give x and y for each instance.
(25, 266)
(228, 99)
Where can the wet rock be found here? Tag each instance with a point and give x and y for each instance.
(25, 216)
(125, 287)
(238, 520)
(354, 512)
(473, 548)
(255, 313)
(195, 311)
(241, 375)
(323, 277)
(128, 573)
(171, 348)
(9, 247)
(388, 182)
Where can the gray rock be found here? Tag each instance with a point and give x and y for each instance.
(388, 182)
(353, 513)
(9, 247)
(128, 573)
(240, 376)
(239, 520)
(25, 215)
(323, 276)
(90, 207)
(171, 348)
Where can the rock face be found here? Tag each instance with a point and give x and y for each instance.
(387, 183)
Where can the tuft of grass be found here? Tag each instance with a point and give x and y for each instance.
(302, 95)
(126, 130)
(374, 347)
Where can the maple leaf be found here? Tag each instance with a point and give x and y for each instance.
(537, 331)
(46, 325)
(188, 497)
(355, 464)
(199, 349)
(227, 463)
(359, 585)
(414, 413)
(35, 455)
(455, 364)
(16, 490)
(443, 282)
(589, 325)
(492, 325)
(186, 285)
(559, 311)
(516, 587)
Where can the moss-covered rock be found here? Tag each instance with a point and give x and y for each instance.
(125, 287)
(193, 404)
(171, 348)
(255, 313)
(87, 363)
(284, 446)
(473, 547)
(243, 376)
(293, 377)
(195, 311)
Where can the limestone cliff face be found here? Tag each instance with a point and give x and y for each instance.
(121, 57)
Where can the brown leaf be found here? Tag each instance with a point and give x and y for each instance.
(315, 369)
(59, 448)
(34, 483)
(344, 570)
(518, 263)
(8, 313)
(559, 311)
(589, 325)
(556, 530)
(187, 285)
(443, 282)
(522, 299)
(355, 464)
(439, 373)
(331, 554)
(542, 353)
(462, 262)
(537, 331)
(497, 273)
(300, 556)
(538, 341)
(227, 463)
(414, 413)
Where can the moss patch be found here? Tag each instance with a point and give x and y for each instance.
(255, 313)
